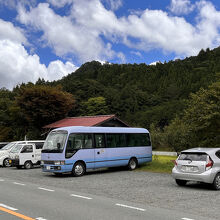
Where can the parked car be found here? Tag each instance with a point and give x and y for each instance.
(4, 152)
(198, 164)
(25, 155)
(2, 144)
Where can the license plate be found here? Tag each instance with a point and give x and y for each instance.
(190, 168)
(48, 167)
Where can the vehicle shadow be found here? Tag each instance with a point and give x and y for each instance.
(91, 172)
(198, 186)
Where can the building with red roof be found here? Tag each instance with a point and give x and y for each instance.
(98, 121)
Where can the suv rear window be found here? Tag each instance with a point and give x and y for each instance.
(193, 156)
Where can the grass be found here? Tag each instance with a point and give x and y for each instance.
(159, 164)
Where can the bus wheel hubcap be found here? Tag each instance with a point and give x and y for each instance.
(78, 169)
(133, 164)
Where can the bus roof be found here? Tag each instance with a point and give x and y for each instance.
(83, 129)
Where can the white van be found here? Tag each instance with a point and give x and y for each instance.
(4, 152)
(25, 155)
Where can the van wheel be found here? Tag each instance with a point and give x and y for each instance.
(216, 182)
(6, 163)
(132, 164)
(28, 165)
(181, 182)
(78, 169)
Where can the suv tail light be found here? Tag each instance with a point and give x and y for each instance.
(209, 164)
(175, 162)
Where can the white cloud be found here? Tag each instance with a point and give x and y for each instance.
(17, 66)
(12, 4)
(154, 63)
(10, 32)
(65, 36)
(114, 4)
(59, 3)
(89, 30)
(57, 69)
(136, 53)
(181, 7)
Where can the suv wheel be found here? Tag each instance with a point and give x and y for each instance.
(216, 182)
(181, 182)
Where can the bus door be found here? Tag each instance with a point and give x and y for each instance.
(101, 154)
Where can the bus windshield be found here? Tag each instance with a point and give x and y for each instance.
(55, 142)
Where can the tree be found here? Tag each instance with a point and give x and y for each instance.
(203, 115)
(95, 106)
(41, 104)
(200, 124)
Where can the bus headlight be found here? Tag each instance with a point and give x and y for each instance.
(59, 162)
(16, 157)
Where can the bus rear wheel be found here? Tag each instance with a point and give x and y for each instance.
(132, 164)
(79, 169)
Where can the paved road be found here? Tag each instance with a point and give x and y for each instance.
(139, 195)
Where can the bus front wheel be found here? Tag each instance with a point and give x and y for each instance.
(78, 169)
(132, 164)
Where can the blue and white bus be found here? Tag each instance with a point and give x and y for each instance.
(77, 149)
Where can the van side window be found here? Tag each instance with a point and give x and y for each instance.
(27, 149)
(39, 145)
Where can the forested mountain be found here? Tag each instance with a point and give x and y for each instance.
(142, 94)
(159, 97)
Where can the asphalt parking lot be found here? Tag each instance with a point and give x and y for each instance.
(154, 189)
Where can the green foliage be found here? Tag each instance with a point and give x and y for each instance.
(199, 126)
(159, 164)
(147, 96)
(95, 106)
(41, 105)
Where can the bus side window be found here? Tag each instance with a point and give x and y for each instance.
(87, 141)
(99, 140)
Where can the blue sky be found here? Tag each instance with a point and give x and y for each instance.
(49, 39)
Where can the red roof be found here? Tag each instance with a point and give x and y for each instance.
(81, 121)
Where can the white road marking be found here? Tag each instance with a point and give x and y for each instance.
(49, 190)
(187, 219)
(40, 218)
(21, 184)
(82, 197)
(1, 180)
(8, 207)
(131, 207)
